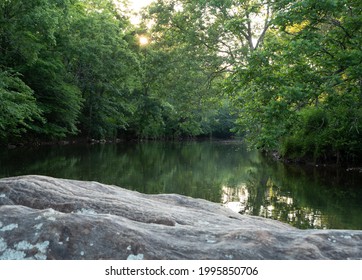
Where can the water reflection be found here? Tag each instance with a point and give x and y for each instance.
(223, 172)
(299, 195)
(236, 199)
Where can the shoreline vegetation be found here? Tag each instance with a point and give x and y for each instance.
(285, 76)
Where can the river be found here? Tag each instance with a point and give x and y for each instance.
(220, 171)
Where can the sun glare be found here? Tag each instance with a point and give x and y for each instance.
(143, 40)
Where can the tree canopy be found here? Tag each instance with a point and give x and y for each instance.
(301, 92)
(284, 75)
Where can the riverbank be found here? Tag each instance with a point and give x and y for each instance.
(37, 143)
(355, 165)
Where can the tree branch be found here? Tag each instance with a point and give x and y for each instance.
(266, 26)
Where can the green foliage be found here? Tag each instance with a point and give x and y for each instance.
(104, 70)
(26, 28)
(185, 67)
(28, 44)
(17, 106)
(72, 56)
(285, 74)
(314, 119)
(301, 92)
(58, 98)
(306, 140)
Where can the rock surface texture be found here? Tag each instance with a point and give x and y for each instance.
(48, 218)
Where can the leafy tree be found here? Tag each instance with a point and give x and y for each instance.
(102, 63)
(188, 60)
(17, 106)
(73, 56)
(301, 92)
(26, 29)
(57, 96)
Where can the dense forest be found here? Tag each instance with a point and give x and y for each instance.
(284, 75)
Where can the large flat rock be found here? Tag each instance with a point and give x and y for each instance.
(48, 218)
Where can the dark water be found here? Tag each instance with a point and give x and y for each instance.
(223, 172)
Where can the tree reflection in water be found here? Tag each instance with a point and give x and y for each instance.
(299, 196)
(276, 207)
(223, 172)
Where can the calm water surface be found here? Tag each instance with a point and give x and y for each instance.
(223, 172)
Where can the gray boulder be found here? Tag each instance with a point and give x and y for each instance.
(48, 218)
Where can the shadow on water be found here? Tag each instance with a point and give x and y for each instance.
(223, 172)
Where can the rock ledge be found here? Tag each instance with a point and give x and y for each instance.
(47, 218)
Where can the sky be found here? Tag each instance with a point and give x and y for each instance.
(135, 6)
(138, 4)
